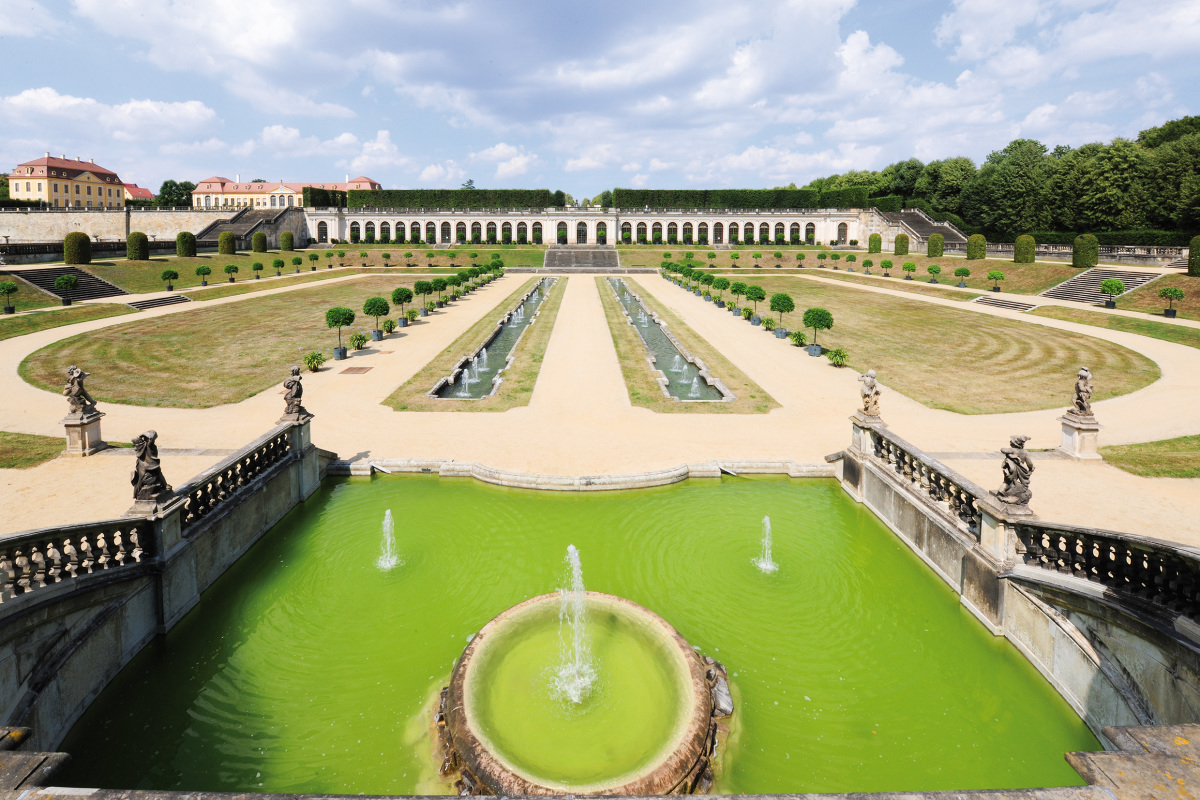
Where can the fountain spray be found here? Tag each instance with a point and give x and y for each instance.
(387, 557)
(575, 673)
(764, 562)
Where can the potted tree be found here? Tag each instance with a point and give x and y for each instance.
(1112, 287)
(339, 317)
(734, 257)
(782, 303)
(800, 260)
(995, 276)
(910, 267)
(720, 285)
(821, 256)
(934, 270)
(402, 296)
(204, 271)
(755, 294)
(329, 258)
(710, 256)
(737, 289)
(423, 288)
(170, 276)
(8, 289)
(756, 257)
(278, 265)
(819, 319)
(386, 258)
(886, 266)
(835, 257)
(231, 270)
(454, 282)
(707, 279)
(65, 284)
(867, 264)
(850, 259)
(1172, 294)
(297, 261)
(962, 273)
(376, 307)
(778, 257)
(363, 255)
(439, 285)
(341, 254)
(313, 258)
(256, 268)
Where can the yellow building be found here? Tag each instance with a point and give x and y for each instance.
(219, 192)
(64, 182)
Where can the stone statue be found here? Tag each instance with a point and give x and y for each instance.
(1017, 470)
(295, 390)
(147, 479)
(870, 394)
(78, 399)
(1083, 393)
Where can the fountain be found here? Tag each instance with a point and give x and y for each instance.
(764, 562)
(696, 387)
(575, 674)
(678, 365)
(483, 358)
(388, 558)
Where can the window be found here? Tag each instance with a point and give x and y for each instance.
(291, 200)
(77, 188)
(56, 188)
(39, 186)
(27, 186)
(272, 201)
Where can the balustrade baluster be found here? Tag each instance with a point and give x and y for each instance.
(88, 555)
(8, 576)
(53, 563)
(24, 571)
(71, 556)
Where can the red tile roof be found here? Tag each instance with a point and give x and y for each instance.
(66, 166)
(219, 185)
(139, 193)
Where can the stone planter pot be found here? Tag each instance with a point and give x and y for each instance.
(66, 301)
(376, 336)
(1169, 313)
(10, 309)
(708, 298)
(908, 277)
(231, 279)
(440, 304)
(849, 269)
(720, 304)
(170, 288)
(339, 354)
(933, 280)
(203, 282)
(697, 293)
(1110, 303)
(257, 276)
(424, 312)
(734, 310)
(814, 350)
(781, 333)
(756, 320)
(887, 274)
(402, 322)
(962, 285)
(995, 288)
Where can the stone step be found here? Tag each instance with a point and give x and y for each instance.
(1011, 305)
(89, 286)
(1085, 287)
(589, 258)
(157, 302)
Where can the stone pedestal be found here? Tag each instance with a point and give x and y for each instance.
(83, 433)
(996, 535)
(1080, 436)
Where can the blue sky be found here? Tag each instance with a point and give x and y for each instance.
(581, 97)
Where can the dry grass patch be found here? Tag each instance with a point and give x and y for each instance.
(914, 286)
(44, 320)
(653, 256)
(1169, 458)
(28, 296)
(212, 355)
(640, 381)
(1167, 331)
(519, 379)
(963, 361)
(1146, 298)
(215, 292)
(24, 450)
(450, 259)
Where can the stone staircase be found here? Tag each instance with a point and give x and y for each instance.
(1085, 287)
(157, 302)
(591, 259)
(924, 226)
(89, 287)
(241, 224)
(1011, 305)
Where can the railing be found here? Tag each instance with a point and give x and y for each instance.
(107, 209)
(34, 560)
(205, 494)
(578, 210)
(953, 494)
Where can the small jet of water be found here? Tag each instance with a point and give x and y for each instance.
(575, 673)
(388, 558)
(764, 562)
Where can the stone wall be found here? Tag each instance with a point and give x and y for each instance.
(19, 226)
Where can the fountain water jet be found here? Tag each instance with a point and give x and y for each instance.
(678, 365)
(764, 562)
(575, 673)
(387, 557)
(696, 384)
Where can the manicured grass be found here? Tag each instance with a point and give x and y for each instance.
(914, 286)
(140, 277)
(1146, 298)
(217, 291)
(211, 355)
(22, 324)
(1169, 458)
(28, 296)
(1166, 331)
(640, 381)
(519, 379)
(956, 359)
(24, 450)
(454, 258)
(653, 256)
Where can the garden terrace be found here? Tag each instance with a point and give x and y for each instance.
(1146, 298)
(28, 296)
(1168, 458)
(1166, 331)
(43, 320)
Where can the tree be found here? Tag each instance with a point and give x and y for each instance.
(560, 199)
(137, 247)
(168, 275)
(606, 199)
(313, 258)
(1194, 257)
(277, 265)
(976, 247)
(782, 303)
(77, 248)
(1024, 250)
(934, 270)
(339, 317)
(231, 270)
(901, 248)
(1085, 251)
(1169, 132)
(962, 273)
(995, 276)
(185, 244)
(64, 285)
(1112, 287)
(376, 307)
(886, 266)
(258, 242)
(439, 285)
(227, 244)
(720, 285)
(909, 267)
(423, 288)
(818, 319)
(256, 268)
(287, 241)
(737, 289)
(468, 184)
(402, 296)
(8, 289)
(1172, 294)
(756, 294)
(175, 194)
(204, 271)
(297, 262)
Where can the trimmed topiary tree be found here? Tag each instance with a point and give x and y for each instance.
(204, 271)
(756, 294)
(1085, 251)
(962, 273)
(231, 270)
(402, 297)
(818, 319)
(934, 270)
(339, 317)
(286, 241)
(256, 268)
(258, 242)
(901, 248)
(77, 248)
(226, 244)
(8, 289)
(137, 247)
(376, 307)
(936, 246)
(782, 303)
(1024, 250)
(1172, 294)
(976, 247)
(1194, 257)
(277, 265)
(185, 244)
(170, 276)
(1112, 287)
(874, 243)
(64, 285)
(995, 276)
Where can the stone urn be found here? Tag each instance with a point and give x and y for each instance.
(814, 350)
(376, 336)
(756, 320)
(339, 353)
(781, 333)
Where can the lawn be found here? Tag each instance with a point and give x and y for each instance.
(1146, 298)
(28, 296)
(1169, 458)
(640, 381)
(212, 355)
(1166, 331)
(519, 379)
(217, 291)
(24, 450)
(956, 359)
(22, 324)
(914, 286)
(653, 256)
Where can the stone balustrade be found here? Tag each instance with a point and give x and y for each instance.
(205, 493)
(34, 560)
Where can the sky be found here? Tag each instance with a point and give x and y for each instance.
(578, 96)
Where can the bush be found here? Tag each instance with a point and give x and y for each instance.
(798, 338)
(835, 256)
(312, 257)
(297, 261)
(868, 263)
(934, 270)
(782, 303)
(1172, 294)
(768, 324)
(885, 265)
(256, 268)
(936, 246)
(874, 243)
(358, 340)
(204, 270)
(1194, 257)
(65, 283)
(226, 244)
(995, 276)
(258, 242)
(890, 202)
(976, 247)
(800, 258)
(411, 314)
(231, 270)
(315, 359)
(185, 244)
(339, 317)
(137, 247)
(423, 288)
(77, 248)
(851, 257)
(8, 288)
(376, 307)
(837, 357)
(819, 319)
(962, 272)
(1085, 251)
(287, 241)
(388, 325)
(747, 313)
(1112, 287)
(1024, 250)
(901, 244)
(909, 266)
(168, 275)
(277, 264)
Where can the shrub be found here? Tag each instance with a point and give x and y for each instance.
(819, 319)
(226, 244)
(798, 338)
(835, 256)
(768, 324)
(329, 255)
(277, 264)
(1024, 249)
(885, 265)
(976, 247)
(747, 313)
(936, 246)
(868, 263)
(287, 241)
(962, 272)
(77, 248)
(314, 360)
(297, 261)
(65, 283)
(1112, 287)
(376, 307)
(934, 270)
(995, 276)
(185, 244)
(837, 357)
(203, 271)
(388, 257)
(800, 258)
(782, 303)
(411, 314)
(851, 257)
(231, 270)
(777, 254)
(1172, 294)
(388, 325)
(711, 256)
(312, 257)
(874, 243)
(8, 288)
(1085, 251)
(402, 296)
(909, 266)
(168, 275)
(901, 248)
(821, 256)
(358, 340)
(720, 285)
(756, 294)
(1194, 257)
(137, 247)
(339, 317)
(256, 267)
(258, 242)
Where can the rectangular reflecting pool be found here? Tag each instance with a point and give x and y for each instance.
(310, 668)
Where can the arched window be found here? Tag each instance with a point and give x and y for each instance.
(656, 232)
(506, 233)
(522, 233)
(687, 233)
(272, 201)
(735, 233)
(810, 232)
(291, 200)
(370, 231)
(672, 233)
(491, 233)
(581, 233)
(778, 232)
(354, 232)
(641, 232)
(400, 228)
(764, 233)
(841, 233)
(430, 233)
(748, 232)
(626, 232)
(795, 233)
(601, 233)
(322, 232)
(702, 233)
(562, 233)
(446, 233)
(476, 232)
(208, 201)
(460, 232)
(537, 233)
(414, 232)
(385, 232)
(718, 233)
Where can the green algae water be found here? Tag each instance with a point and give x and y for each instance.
(306, 668)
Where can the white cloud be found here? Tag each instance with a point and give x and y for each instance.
(378, 153)
(510, 161)
(447, 174)
(131, 121)
(25, 18)
(282, 140)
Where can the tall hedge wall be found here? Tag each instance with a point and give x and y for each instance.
(77, 248)
(324, 198)
(901, 244)
(1135, 238)
(976, 247)
(449, 198)
(185, 244)
(137, 246)
(740, 198)
(936, 246)
(1085, 251)
(1194, 257)
(1024, 249)
(890, 202)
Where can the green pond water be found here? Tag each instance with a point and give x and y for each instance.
(306, 668)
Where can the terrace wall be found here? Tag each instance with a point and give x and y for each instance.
(21, 226)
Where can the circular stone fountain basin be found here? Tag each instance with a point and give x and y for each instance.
(643, 728)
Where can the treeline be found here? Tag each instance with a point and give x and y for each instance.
(838, 197)
(450, 198)
(1148, 187)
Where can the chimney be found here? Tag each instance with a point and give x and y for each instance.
(347, 177)
(47, 154)
(91, 161)
(237, 177)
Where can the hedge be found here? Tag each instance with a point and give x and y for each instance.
(1134, 238)
(1085, 251)
(976, 247)
(450, 198)
(185, 244)
(77, 248)
(855, 197)
(1194, 257)
(227, 243)
(10, 203)
(1024, 249)
(137, 247)
(901, 244)
(888, 203)
(258, 242)
(287, 242)
(325, 198)
(936, 246)
(874, 243)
